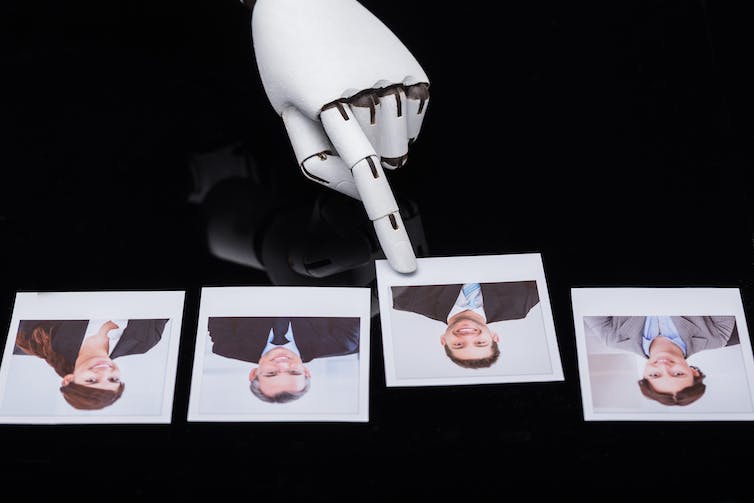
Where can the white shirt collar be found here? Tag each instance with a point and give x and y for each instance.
(113, 335)
(290, 345)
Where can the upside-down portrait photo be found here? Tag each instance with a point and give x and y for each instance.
(664, 354)
(91, 357)
(468, 320)
(282, 354)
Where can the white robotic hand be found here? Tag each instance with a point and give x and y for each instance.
(352, 98)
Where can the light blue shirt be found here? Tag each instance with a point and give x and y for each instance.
(463, 304)
(291, 344)
(660, 325)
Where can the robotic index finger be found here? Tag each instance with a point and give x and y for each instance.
(372, 185)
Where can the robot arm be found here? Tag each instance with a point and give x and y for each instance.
(352, 99)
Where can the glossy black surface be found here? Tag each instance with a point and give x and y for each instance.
(612, 137)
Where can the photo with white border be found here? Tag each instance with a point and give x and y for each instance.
(429, 338)
(91, 357)
(318, 373)
(663, 354)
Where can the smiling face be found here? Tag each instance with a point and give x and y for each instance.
(468, 337)
(97, 372)
(280, 370)
(666, 369)
(669, 373)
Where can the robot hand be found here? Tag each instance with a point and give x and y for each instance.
(352, 99)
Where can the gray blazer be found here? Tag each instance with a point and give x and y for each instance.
(698, 332)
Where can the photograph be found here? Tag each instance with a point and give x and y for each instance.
(663, 354)
(468, 320)
(276, 354)
(91, 357)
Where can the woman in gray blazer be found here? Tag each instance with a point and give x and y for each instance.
(666, 342)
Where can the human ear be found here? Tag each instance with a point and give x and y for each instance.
(253, 374)
(67, 379)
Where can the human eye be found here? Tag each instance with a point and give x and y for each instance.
(90, 380)
(270, 374)
(295, 372)
(114, 379)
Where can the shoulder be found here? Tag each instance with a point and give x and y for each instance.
(147, 324)
(422, 291)
(511, 287)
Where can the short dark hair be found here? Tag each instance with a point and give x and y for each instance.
(85, 398)
(284, 397)
(687, 395)
(477, 363)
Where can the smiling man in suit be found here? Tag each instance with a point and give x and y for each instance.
(467, 309)
(281, 346)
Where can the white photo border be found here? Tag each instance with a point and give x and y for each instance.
(284, 301)
(461, 269)
(76, 305)
(649, 301)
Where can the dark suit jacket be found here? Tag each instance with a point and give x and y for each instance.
(502, 301)
(245, 338)
(138, 337)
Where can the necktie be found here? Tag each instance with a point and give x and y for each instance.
(279, 328)
(473, 294)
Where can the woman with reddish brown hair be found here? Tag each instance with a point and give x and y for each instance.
(82, 352)
(665, 342)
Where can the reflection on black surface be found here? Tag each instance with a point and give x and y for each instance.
(322, 239)
(611, 152)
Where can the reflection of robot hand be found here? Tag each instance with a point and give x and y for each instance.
(352, 98)
(251, 218)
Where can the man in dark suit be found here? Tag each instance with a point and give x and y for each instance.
(467, 309)
(280, 346)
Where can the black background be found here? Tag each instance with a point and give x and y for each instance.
(612, 137)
